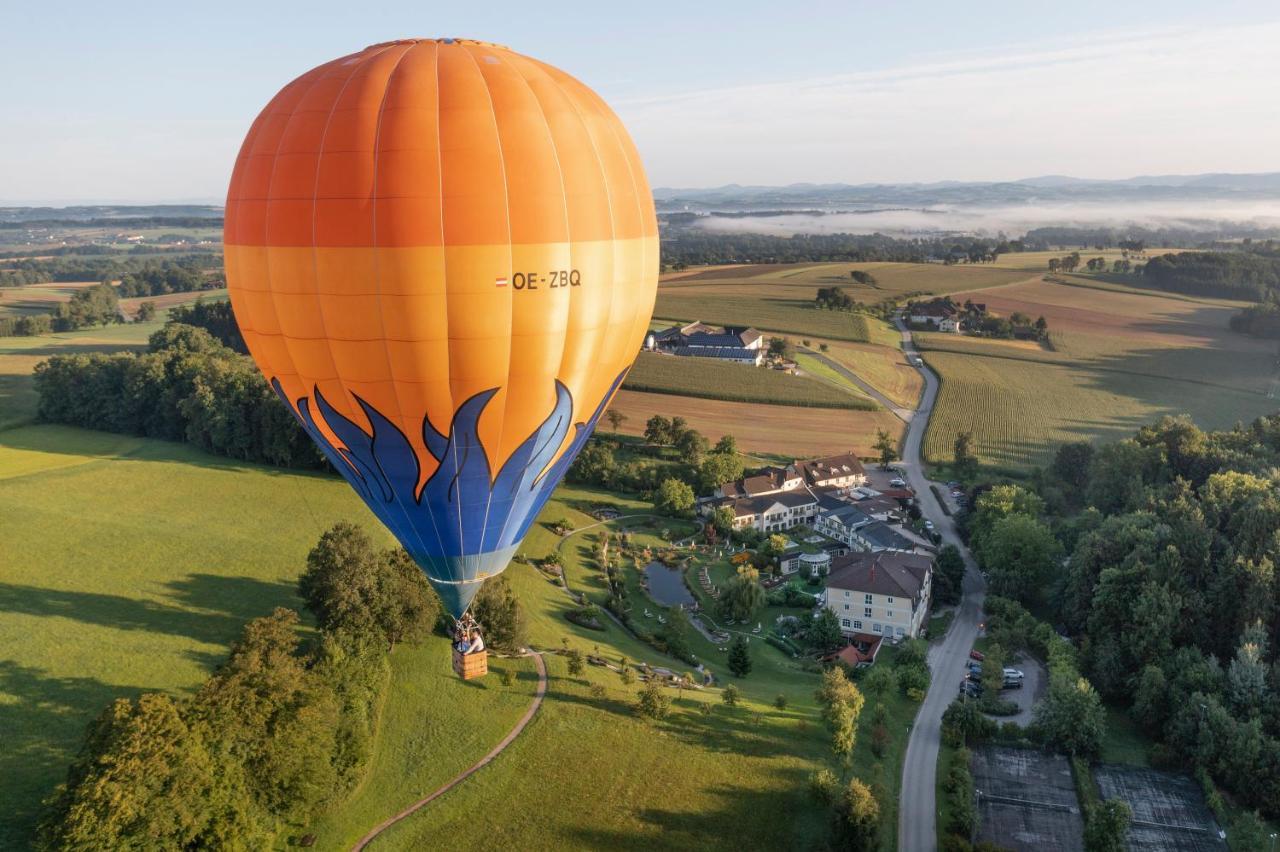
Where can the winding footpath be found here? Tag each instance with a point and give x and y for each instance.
(917, 805)
(498, 749)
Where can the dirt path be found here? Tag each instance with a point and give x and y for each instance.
(903, 414)
(497, 750)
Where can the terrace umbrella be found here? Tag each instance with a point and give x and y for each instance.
(443, 257)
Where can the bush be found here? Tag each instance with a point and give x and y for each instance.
(652, 702)
(824, 786)
(730, 696)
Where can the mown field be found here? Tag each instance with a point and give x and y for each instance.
(773, 430)
(708, 378)
(1116, 359)
(780, 297)
(32, 299)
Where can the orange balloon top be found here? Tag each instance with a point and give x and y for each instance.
(436, 142)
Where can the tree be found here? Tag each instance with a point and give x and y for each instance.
(657, 431)
(576, 666)
(966, 463)
(823, 633)
(949, 574)
(730, 695)
(727, 445)
(742, 597)
(675, 633)
(841, 703)
(886, 446)
(146, 312)
(1071, 716)
(723, 519)
(674, 498)
(857, 818)
(652, 702)
(1107, 826)
(718, 468)
(501, 618)
(780, 701)
(352, 588)
(780, 347)
(616, 418)
(692, 446)
(1071, 464)
(739, 657)
(880, 681)
(1019, 555)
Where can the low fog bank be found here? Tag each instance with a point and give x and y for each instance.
(1224, 216)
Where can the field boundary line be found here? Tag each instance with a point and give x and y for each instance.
(471, 770)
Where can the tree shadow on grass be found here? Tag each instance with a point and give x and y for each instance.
(214, 611)
(43, 719)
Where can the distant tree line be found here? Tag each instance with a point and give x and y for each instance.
(123, 223)
(281, 731)
(186, 387)
(139, 261)
(1252, 275)
(688, 246)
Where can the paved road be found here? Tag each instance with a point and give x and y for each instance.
(917, 808)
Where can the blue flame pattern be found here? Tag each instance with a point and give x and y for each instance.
(464, 524)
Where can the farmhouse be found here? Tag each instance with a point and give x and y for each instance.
(884, 594)
(934, 313)
(699, 340)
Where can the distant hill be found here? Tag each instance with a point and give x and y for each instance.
(1046, 188)
(97, 212)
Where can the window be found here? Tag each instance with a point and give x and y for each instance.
(868, 600)
(875, 628)
(857, 625)
(889, 614)
(846, 606)
(844, 622)
(890, 599)
(847, 593)
(866, 613)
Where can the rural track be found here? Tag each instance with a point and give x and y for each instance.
(917, 805)
(903, 414)
(471, 770)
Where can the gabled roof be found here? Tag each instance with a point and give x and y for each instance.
(758, 505)
(881, 535)
(849, 515)
(883, 573)
(817, 471)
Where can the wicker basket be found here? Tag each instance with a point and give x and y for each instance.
(470, 666)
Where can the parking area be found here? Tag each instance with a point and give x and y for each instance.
(1169, 812)
(1034, 684)
(1026, 800)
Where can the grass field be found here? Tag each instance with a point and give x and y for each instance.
(708, 378)
(131, 564)
(779, 297)
(771, 429)
(1117, 359)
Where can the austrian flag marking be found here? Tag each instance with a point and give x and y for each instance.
(500, 281)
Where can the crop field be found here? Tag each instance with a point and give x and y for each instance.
(884, 368)
(711, 379)
(37, 298)
(780, 297)
(769, 429)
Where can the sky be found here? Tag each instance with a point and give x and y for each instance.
(148, 102)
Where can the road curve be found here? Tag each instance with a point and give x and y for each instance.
(440, 791)
(917, 808)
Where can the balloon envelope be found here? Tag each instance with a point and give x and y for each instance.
(443, 256)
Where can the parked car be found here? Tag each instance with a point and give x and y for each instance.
(974, 666)
(953, 484)
(977, 655)
(897, 482)
(1013, 674)
(1012, 683)
(928, 525)
(971, 688)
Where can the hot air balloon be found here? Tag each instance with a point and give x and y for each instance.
(443, 257)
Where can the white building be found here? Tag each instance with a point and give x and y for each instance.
(881, 594)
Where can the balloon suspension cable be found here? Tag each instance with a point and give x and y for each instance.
(464, 626)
